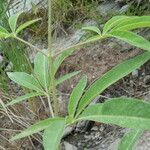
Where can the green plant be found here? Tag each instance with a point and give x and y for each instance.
(125, 112)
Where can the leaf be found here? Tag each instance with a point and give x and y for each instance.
(93, 29)
(111, 77)
(125, 112)
(113, 22)
(41, 125)
(128, 141)
(134, 23)
(13, 21)
(41, 69)
(22, 98)
(4, 33)
(25, 80)
(26, 24)
(76, 95)
(131, 38)
(60, 58)
(53, 134)
(66, 77)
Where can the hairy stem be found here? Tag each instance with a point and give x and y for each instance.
(53, 89)
(30, 45)
(50, 106)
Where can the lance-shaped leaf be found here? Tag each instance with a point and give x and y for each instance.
(125, 112)
(41, 125)
(13, 21)
(134, 23)
(26, 24)
(41, 69)
(111, 77)
(66, 77)
(4, 33)
(76, 95)
(129, 140)
(22, 98)
(131, 38)
(93, 29)
(60, 58)
(25, 80)
(113, 22)
(53, 134)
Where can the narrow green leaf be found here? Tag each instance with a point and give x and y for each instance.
(26, 24)
(41, 125)
(128, 141)
(133, 22)
(25, 80)
(131, 38)
(113, 22)
(93, 29)
(22, 98)
(4, 33)
(111, 77)
(76, 95)
(13, 21)
(53, 134)
(41, 69)
(60, 58)
(125, 112)
(66, 77)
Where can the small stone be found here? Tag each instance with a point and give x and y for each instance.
(69, 146)
(95, 128)
(135, 73)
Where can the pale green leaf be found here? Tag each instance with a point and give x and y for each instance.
(25, 80)
(41, 125)
(53, 134)
(113, 22)
(4, 33)
(60, 58)
(134, 23)
(124, 112)
(13, 21)
(129, 140)
(93, 29)
(66, 77)
(42, 69)
(131, 38)
(22, 98)
(111, 77)
(76, 95)
(26, 24)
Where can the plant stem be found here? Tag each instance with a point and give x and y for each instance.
(53, 89)
(50, 106)
(29, 44)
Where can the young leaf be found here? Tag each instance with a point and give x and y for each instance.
(60, 58)
(111, 77)
(22, 98)
(3, 33)
(53, 134)
(13, 21)
(66, 77)
(113, 22)
(41, 125)
(26, 24)
(76, 95)
(125, 112)
(25, 80)
(41, 69)
(93, 29)
(128, 141)
(131, 38)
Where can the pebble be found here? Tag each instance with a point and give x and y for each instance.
(95, 128)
